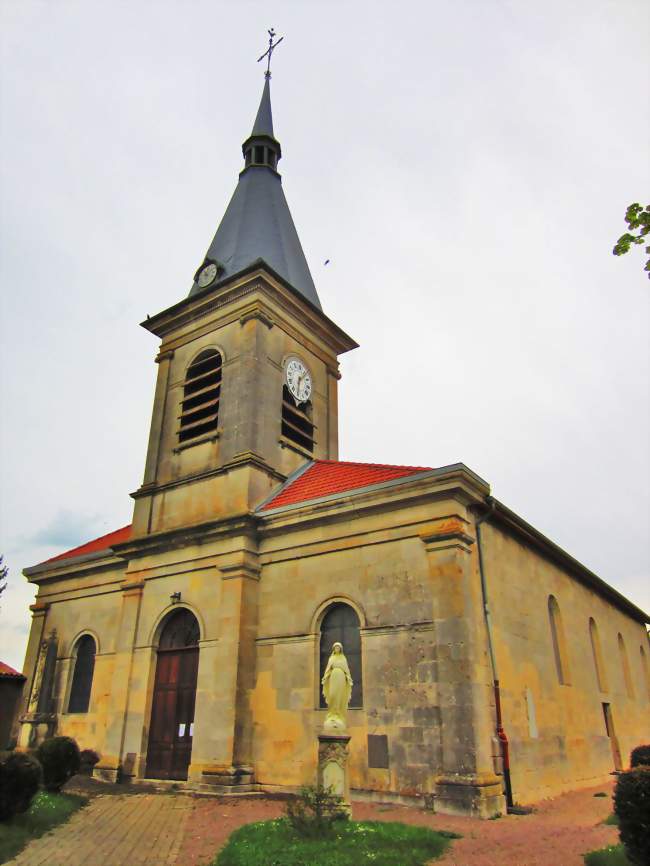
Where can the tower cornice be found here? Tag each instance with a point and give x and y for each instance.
(258, 277)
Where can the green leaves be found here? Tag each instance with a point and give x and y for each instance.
(637, 219)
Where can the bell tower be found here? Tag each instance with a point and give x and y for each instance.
(247, 368)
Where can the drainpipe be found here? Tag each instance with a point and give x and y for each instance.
(501, 734)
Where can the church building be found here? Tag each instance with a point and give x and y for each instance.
(489, 666)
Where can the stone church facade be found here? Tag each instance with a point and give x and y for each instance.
(490, 667)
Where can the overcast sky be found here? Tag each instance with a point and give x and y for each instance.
(465, 166)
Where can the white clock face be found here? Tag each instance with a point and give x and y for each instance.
(298, 380)
(208, 273)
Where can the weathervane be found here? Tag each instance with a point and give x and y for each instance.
(269, 51)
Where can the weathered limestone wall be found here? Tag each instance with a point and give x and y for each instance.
(557, 731)
(387, 584)
(83, 602)
(410, 574)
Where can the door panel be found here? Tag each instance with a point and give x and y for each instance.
(172, 714)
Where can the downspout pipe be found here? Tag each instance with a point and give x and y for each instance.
(501, 734)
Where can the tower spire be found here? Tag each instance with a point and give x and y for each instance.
(257, 227)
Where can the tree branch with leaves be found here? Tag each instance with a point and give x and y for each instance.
(637, 219)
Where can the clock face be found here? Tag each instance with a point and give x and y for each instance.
(298, 380)
(207, 274)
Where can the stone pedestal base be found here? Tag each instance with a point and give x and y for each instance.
(34, 728)
(227, 779)
(469, 795)
(333, 753)
(107, 770)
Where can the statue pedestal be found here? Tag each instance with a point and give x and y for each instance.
(333, 753)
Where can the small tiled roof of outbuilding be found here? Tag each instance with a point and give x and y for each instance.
(10, 673)
(327, 477)
(104, 542)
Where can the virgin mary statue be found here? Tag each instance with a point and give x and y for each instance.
(337, 688)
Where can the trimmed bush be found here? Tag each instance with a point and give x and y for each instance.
(640, 756)
(313, 811)
(89, 758)
(60, 759)
(20, 777)
(632, 806)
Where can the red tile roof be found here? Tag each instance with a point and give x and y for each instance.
(6, 671)
(325, 477)
(322, 478)
(104, 542)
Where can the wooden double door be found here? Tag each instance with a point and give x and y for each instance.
(172, 714)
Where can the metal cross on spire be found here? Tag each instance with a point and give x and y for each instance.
(269, 51)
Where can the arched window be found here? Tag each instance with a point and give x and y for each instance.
(598, 656)
(625, 664)
(646, 672)
(82, 678)
(181, 630)
(341, 624)
(201, 395)
(559, 642)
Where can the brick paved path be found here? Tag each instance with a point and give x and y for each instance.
(127, 830)
(154, 829)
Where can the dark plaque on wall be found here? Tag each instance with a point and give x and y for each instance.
(378, 751)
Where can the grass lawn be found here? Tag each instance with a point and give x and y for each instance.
(614, 855)
(46, 811)
(274, 843)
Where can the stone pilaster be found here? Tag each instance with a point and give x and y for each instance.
(222, 746)
(110, 763)
(466, 783)
(143, 504)
(34, 725)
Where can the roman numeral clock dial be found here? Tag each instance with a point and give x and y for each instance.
(298, 379)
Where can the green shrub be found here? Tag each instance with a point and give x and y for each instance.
(640, 756)
(313, 811)
(89, 758)
(632, 806)
(20, 777)
(60, 759)
(613, 855)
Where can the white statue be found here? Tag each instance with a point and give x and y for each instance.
(337, 689)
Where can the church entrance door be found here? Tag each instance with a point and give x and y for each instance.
(172, 713)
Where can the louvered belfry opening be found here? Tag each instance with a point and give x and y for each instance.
(201, 395)
(296, 422)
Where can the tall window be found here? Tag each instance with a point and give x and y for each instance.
(646, 672)
(341, 624)
(559, 642)
(82, 678)
(625, 664)
(598, 656)
(297, 425)
(201, 395)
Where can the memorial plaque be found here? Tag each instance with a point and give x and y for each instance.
(378, 751)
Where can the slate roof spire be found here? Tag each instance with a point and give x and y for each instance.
(257, 225)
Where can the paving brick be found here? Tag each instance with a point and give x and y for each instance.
(126, 830)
